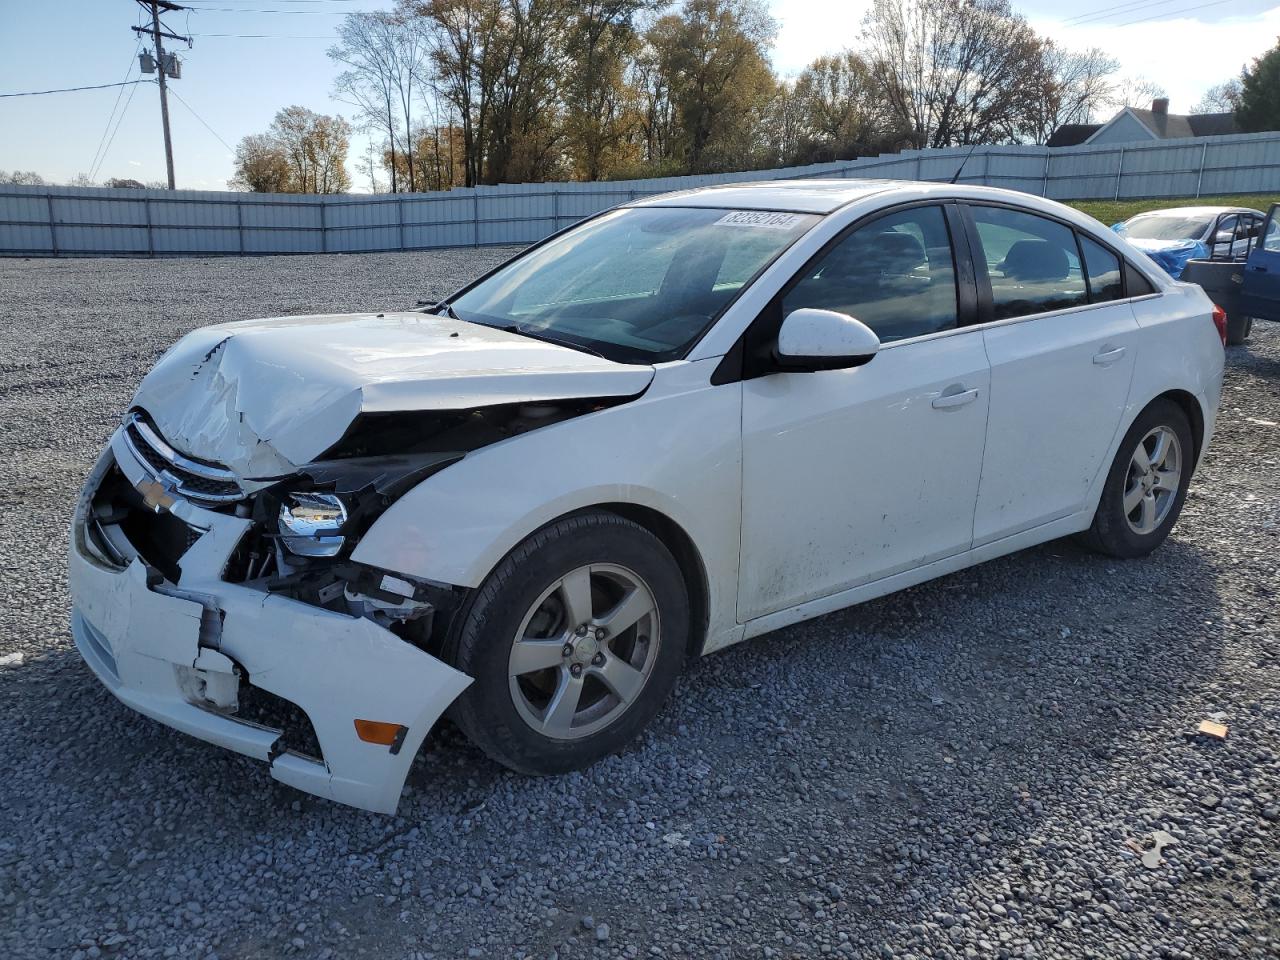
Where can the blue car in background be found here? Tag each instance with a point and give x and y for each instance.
(1172, 237)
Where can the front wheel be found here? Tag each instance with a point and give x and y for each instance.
(1147, 484)
(574, 643)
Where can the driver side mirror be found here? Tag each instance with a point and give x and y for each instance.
(1224, 236)
(812, 339)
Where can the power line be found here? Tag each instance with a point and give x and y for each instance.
(1112, 10)
(202, 120)
(97, 86)
(300, 13)
(262, 36)
(202, 2)
(112, 115)
(1174, 13)
(93, 173)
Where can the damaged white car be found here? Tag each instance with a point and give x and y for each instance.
(683, 422)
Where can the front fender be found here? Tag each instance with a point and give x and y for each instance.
(676, 450)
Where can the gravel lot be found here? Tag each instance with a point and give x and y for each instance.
(951, 771)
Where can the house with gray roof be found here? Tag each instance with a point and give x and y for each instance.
(1134, 125)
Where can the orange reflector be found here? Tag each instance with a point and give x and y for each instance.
(375, 731)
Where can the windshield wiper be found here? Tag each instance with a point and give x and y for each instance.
(548, 338)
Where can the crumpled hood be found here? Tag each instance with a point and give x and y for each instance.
(264, 397)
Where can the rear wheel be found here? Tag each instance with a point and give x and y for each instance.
(1147, 484)
(574, 643)
(1238, 330)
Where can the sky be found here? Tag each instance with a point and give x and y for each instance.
(252, 57)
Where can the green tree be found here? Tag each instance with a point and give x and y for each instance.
(1259, 104)
(709, 84)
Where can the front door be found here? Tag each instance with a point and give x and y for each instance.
(854, 475)
(1260, 294)
(1062, 342)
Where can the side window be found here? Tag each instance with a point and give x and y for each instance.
(896, 274)
(1103, 269)
(1136, 285)
(1271, 242)
(1032, 262)
(1224, 230)
(1247, 227)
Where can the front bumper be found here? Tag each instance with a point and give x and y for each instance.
(172, 651)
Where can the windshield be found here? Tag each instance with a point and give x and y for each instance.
(1166, 228)
(637, 285)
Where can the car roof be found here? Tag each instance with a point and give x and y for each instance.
(1196, 211)
(797, 196)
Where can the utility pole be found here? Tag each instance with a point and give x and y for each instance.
(162, 68)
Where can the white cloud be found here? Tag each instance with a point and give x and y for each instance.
(135, 163)
(1184, 55)
(810, 28)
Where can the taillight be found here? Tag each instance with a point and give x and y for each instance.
(1220, 321)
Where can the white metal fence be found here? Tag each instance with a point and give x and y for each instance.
(70, 221)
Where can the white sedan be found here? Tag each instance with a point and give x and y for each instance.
(682, 423)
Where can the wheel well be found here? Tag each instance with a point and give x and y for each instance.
(1191, 407)
(675, 539)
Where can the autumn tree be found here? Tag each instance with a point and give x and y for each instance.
(837, 113)
(302, 152)
(709, 84)
(601, 107)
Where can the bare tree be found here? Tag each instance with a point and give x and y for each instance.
(953, 71)
(1071, 87)
(27, 178)
(1221, 97)
(1135, 92)
(380, 51)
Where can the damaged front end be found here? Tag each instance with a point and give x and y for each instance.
(228, 607)
(191, 609)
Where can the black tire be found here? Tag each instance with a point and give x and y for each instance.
(487, 711)
(1238, 330)
(1111, 532)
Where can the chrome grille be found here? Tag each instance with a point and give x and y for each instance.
(202, 482)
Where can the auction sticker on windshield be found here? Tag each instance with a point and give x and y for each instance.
(760, 218)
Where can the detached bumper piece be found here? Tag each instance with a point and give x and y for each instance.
(183, 652)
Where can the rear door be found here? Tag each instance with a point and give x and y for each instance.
(1260, 294)
(1061, 339)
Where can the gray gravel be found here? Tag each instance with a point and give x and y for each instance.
(949, 772)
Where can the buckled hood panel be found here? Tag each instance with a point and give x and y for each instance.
(263, 397)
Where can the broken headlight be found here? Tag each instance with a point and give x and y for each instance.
(311, 524)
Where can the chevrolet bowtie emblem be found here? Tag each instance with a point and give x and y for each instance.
(154, 495)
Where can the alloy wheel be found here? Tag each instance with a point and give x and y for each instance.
(584, 651)
(1155, 473)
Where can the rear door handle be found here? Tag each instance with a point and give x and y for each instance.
(1108, 356)
(949, 401)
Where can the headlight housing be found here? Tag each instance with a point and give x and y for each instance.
(311, 524)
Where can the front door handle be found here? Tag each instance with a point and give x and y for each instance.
(949, 401)
(1108, 356)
